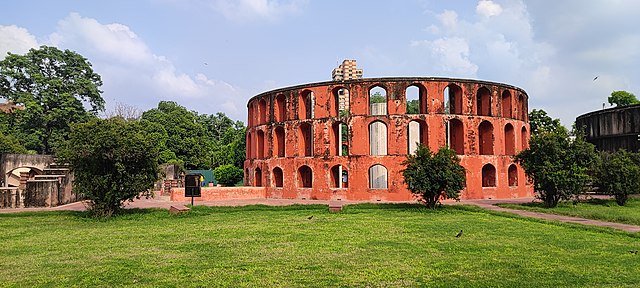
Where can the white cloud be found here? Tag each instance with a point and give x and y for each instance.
(488, 8)
(130, 71)
(246, 10)
(448, 19)
(16, 40)
(451, 55)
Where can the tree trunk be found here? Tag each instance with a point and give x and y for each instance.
(621, 199)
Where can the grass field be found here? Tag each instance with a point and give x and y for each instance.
(599, 209)
(365, 245)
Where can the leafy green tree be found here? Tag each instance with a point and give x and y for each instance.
(227, 138)
(619, 175)
(228, 174)
(413, 107)
(622, 98)
(431, 176)
(53, 86)
(541, 122)
(9, 144)
(559, 166)
(378, 98)
(186, 137)
(113, 161)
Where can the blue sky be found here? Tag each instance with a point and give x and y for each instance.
(213, 55)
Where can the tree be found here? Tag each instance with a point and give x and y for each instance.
(228, 174)
(559, 166)
(622, 98)
(431, 176)
(378, 98)
(113, 161)
(186, 137)
(619, 175)
(9, 144)
(53, 86)
(413, 107)
(540, 122)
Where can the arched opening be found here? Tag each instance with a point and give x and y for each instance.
(13, 176)
(453, 99)
(305, 105)
(306, 140)
(249, 148)
(258, 177)
(377, 101)
(524, 140)
(262, 107)
(418, 134)
(378, 177)
(455, 136)
(341, 95)
(488, 176)
(280, 108)
(416, 100)
(509, 140)
(339, 177)
(377, 138)
(522, 107)
(280, 141)
(506, 104)
(513, 175)
(260, 146)
(483, 102)
(278, 178)
(485, 131)
(340, 139)
(305, 177)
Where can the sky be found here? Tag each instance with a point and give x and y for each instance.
(213, 55)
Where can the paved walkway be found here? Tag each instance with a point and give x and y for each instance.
(491, 205)
(163, 203)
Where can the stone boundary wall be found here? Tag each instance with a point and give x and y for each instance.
(221, 193)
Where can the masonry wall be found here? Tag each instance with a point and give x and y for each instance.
(485, 122)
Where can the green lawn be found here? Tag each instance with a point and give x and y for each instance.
(365, 245)
(598, 209)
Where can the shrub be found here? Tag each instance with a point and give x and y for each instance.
(228, 175)
(430, 176)
(618, 175)
(559, 166)
(113, 161)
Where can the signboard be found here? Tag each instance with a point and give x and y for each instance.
(192, 185)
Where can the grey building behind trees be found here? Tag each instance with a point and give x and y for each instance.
(612, 129)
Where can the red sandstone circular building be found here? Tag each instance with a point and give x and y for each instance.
(347, 139)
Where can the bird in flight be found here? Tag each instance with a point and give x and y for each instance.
(594, 79)
(459, 234)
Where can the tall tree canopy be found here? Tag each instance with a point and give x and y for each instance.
(622, 98)
(541, 122)
(197, 141)
(54, 86)
(186, 141)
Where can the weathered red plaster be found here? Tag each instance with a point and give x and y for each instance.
(221, 193)
(283, 110)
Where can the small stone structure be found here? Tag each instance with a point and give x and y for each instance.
(43, 183)
(612, 129)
